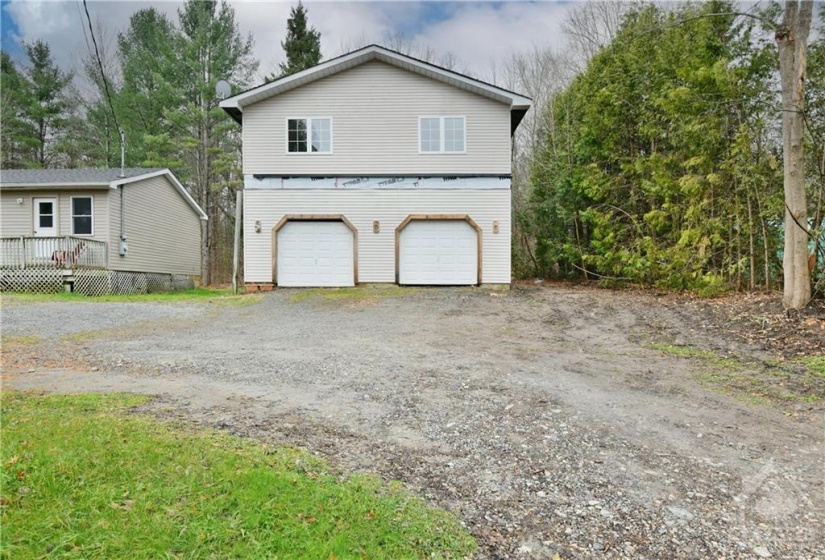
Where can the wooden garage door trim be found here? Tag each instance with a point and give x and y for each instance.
(313, 218)
(432, 217)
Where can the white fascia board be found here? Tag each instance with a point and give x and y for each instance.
(125, 180)
(374, 52)
(172, 179)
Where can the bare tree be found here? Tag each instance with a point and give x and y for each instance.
(590, 26)
(792, 41)
(353, 43)
(538, 73)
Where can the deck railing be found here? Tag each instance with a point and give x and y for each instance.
(67, 252)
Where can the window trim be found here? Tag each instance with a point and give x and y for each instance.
(442, 134)
(72, 214)
(309, 136)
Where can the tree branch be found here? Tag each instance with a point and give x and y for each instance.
(770, 24)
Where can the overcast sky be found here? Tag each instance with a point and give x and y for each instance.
(476, 33)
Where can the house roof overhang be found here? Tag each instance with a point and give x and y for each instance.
(519, 104)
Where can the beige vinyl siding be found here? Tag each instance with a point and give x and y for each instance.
(18, 219)
(375, 109)
(376, 252)
(162, 230)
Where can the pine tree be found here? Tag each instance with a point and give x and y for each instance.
(17, 135)
(302, 45)
(42, 90)
(211, 48)
(153, 70)
(47, 108)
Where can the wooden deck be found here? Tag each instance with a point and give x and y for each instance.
(64, 253)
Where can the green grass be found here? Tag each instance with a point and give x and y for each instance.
(195, 294)
(84, 478)
(814, 364)
(771, 382)
(352, 294)
(683, 351)
(25, 340)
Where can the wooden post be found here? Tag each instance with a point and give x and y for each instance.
(235, 256)
(22, 252)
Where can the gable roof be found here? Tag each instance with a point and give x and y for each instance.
(519, 104)
(51, 177)
(104, 178)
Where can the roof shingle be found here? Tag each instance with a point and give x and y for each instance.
(69, 176)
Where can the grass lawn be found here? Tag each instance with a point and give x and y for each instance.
(82, 477)
(774, 382)
(357, 293)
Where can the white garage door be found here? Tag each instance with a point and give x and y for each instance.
(315, 254)
(438, 252)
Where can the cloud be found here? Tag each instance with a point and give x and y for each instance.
(480, 33)
(343, 26)
(63, 24)
(475, 32)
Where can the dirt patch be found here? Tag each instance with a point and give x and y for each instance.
(544, 417)
(760, 320)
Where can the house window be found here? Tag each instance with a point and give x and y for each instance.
(310, 135)
(82, 215)
(441, 135)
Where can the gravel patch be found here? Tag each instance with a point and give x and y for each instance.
(539, 416)
(57, 319)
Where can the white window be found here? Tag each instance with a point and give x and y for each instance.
(441, 135)
(309, 135)
(82, 215)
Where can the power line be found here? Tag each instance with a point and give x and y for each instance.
(85, 35)
(102, 73)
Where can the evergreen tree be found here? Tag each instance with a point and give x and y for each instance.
(47, 109)
(152, 68)
(17, 135)
(302, 45)
(212, 49)
(659, 166)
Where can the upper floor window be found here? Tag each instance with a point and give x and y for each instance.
(444, 135)
(309, 135)
(82, 214)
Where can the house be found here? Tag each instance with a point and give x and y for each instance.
(97, 231)
(375, 167)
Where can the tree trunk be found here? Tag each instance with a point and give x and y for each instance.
(751, 246)
(792, 41)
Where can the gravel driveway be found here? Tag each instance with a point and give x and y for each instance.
(542, 417)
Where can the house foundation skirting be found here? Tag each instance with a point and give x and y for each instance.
(91, 282)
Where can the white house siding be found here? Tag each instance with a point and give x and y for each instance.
(18, 219)
(375, 109)
(376, 252)
(162, 230)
